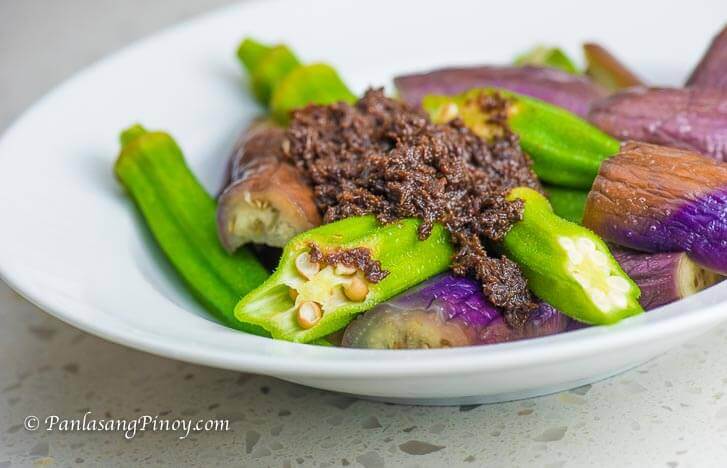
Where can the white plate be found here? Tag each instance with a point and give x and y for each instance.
(72, 243)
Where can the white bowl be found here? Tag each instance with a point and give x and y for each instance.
(72, 243)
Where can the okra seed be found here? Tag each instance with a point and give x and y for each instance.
(345, 270)
(292, 293)
(306, 266)
(356, 289)
(309, 313)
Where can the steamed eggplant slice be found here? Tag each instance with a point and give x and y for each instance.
(711, 72)
(445, 311)
(605, 69)
(572, 92)
(267, 200)
(689, 118)
(663, 277)
(659, 199)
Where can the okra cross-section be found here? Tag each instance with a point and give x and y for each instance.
(331, 273)
(568, 266)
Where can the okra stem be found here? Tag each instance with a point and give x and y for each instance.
(182, 217)
(282, 83)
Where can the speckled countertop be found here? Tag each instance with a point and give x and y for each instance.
(669, 412)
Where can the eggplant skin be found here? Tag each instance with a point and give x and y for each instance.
(572, 92)
(658, 199)
(445, 311)
(711, 72)
(267, 200)
(663, 277)
(688, 118)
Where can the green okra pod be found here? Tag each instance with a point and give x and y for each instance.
(568, 203)
(317, 83)
(565, 149)
(568, 266)
(181, 215)
(250, 52)
(280, 81)
(272, 68)
(266, 65)
(287, 303)
(551, 57)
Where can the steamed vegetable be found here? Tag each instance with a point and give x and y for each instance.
(267, 66)
(281, 82)
(711, 72)
(690, 118)
(663, 277)
(568, 266)
(572, 92)
(445, 311)
(267, 200)
(565, 150)
(659, 199)
(310, 84)
(541, 56)
(607, 70)
(181, 216)
(306, 298)
(567, 203)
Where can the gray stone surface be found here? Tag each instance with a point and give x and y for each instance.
(667, 413)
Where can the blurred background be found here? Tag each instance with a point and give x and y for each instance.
(43, 42)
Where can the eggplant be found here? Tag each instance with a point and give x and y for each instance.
(605, 69)
(663, 277)
(267, 201)
(572, 92)
(445, 311)
(711, 72)
(690, 118)
(659, 199)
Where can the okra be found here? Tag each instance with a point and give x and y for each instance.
(266, 65)
(181, 215)
(282, 83)
(565, 149)
(568, 266)
(305, 299)
(310, 84)
(551, 57)
(567, 203)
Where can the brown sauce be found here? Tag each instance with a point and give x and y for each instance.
(358, 258)
(382, 157)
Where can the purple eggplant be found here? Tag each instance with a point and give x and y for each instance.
(445, 311)
(690, 118)
(659, 199)
(711, 72)
(572, 92)
(663, 277)
(267, 200)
